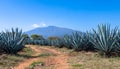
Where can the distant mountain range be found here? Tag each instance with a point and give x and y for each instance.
(51, 31)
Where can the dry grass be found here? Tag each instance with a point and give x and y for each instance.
(9, 61)
(76, 60)
(90, 60)
(42, 63)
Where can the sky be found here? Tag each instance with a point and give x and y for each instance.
(79, 15)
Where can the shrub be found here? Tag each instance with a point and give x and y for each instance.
(37, 37)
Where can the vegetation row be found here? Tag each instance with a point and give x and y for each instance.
(104, 40)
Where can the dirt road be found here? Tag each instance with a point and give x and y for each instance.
(59, 61)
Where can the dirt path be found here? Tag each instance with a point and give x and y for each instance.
(26, 63)
(59, 61)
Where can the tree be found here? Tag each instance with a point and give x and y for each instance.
(25, 35)
(37, 37)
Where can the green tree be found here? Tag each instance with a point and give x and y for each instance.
(25, 35)
(36, 37)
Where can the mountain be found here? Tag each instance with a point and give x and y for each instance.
(51, 31)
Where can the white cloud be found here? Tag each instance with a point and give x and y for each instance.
(35, 25)
(42, 24)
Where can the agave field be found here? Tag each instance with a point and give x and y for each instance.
(103, 40)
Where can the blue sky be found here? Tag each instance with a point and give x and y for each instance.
(75, 14)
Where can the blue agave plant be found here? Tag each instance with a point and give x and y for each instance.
(67, 41)
(105, 39)
(12, 41)
(80, 41)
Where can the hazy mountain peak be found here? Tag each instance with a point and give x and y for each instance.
(51, 26)
(51, 31)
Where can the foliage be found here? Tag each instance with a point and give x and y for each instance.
(37, 37)
(80, 41)
(27, 38)
(38, 42)
(105, 39)
(67, 41)
(25, 35)
(12, 41)
(56, 42)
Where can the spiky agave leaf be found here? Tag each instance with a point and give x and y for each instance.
(80, 41)
(67, 41)
(104, 39)
(12, 41)
(58, 43)
(117, 47)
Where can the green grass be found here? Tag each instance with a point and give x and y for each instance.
(78, 66)
(35, 64)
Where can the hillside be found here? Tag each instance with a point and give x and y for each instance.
(51, 31)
